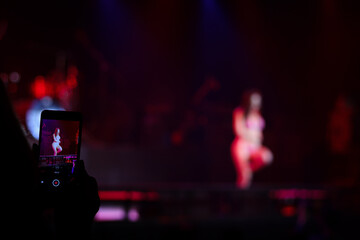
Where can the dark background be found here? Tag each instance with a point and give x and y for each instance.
(141, 63)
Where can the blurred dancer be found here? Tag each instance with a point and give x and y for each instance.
(247, 151)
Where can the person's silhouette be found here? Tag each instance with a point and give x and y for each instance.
(73, 209)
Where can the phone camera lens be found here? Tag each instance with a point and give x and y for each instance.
(55, 182)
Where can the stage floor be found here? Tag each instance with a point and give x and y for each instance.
(228, 213)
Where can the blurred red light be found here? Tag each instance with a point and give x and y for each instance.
(177, 138)
(136, 196)
(71, 81)
(72, 70)
(153, 195)
(128, 195)
(39, 87)
(288, 211)
(113, 195)
(284, 194)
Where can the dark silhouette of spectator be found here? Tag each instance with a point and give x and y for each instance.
(18, 173)
(25, 212)
(337, 162)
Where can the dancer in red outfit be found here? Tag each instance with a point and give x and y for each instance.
(247, 151)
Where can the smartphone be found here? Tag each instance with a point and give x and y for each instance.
(59, 147)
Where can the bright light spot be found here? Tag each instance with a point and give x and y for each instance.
(136, 196)
(39, 87)
(110, 213)
(14, 77)
(33, 115)
(47, 101)
(133, 215)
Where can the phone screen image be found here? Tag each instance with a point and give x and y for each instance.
(59, 142)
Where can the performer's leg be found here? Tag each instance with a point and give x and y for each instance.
(260, 157)
(59, 149)
(54, 148)
(240, 157)
(266, 155)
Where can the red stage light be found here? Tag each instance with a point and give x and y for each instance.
(71, 81)
(136, 196)
(128, 195)
(288, 211)
(286, 194)
(39, 87)
(113, 195)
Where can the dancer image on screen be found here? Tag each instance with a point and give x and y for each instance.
(56, 143)
(247, 151)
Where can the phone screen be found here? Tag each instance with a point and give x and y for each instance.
(59, 145)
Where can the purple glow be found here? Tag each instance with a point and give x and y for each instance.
(133, 215)
(110, 213)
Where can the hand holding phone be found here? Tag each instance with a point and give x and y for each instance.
(65, 187)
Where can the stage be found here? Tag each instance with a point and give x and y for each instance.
(215, 212)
